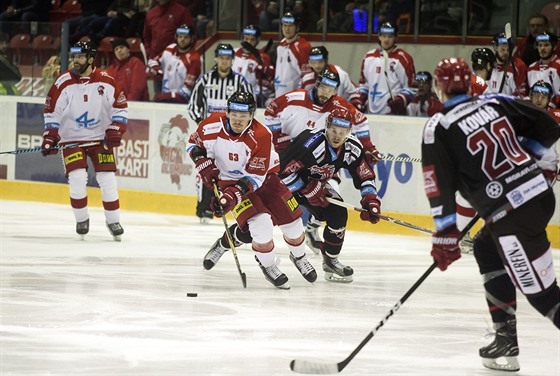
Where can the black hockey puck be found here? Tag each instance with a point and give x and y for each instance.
(192, 294)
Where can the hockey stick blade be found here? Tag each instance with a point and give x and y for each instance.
(321, 368)
(249, 47)
(507, 32)
(383, 217)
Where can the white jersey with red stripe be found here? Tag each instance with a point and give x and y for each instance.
(346, 88)
(247, 155)
(291, 60)
(294, 112)
(373, 83)
(246, 65)
(180, 70)
(82, 108)
(478, 85)
(516, 87)
(549, 73)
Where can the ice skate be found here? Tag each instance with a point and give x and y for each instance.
(466, 244)
(502, 353)
(116, 230)
(305, 268)
(274, 275)
(213, 255)
(82, 228)
(335, 271)
(312, 237)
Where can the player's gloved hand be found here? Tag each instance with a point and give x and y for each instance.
(398, 105)
(208, 171)
(316, 193)
(230, 197)
(551, 176)
(153, 69)
(359, 101)
(372, 204)
(445, 247)
(372, 154)
(50, 139)
(280, 141)
(113, 134)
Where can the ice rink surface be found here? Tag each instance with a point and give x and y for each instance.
(99, 307)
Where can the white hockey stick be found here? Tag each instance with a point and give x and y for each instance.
(385, 69)
(507, 32)
(143, 50)
(322, 368)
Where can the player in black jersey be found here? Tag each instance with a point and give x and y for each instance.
(472, 146)
(306, 166)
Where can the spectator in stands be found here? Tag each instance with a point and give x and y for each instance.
(515, 81)
(268, 19)
(24, 11)
(526, 48)
(117, 20)
(425, 102)
(291, 56)
(204, 18)
(254, 65)
(91, 10)
(318, 61)
(129, 72)
(179, 65)
(386, 76)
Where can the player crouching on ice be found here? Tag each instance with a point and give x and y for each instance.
(85, 105)
(307, 165)
(236, 151)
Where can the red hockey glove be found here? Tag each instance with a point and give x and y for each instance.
(208, 171)
(113, 134)
(359, 101)
(316, 193)
(172, 97)
(445, 247)
(154, 71)
(372, 204)
(50, 139)
(281, 141)
(372, 154)
(398, 105)
(230, 197)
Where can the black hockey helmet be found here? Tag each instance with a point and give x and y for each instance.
(542, 87)
(224, 49)
(480, 57)
(252, 30)
(83, 47)
(241, 101)
(546, 36)
(499, 38)
(423, 76)
(318, 53)
(388, 28)
(328, 78)
(290, 18)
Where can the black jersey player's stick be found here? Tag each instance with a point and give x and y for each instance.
(384, 217)
(59, 147)
(320, 368)
(229, 237)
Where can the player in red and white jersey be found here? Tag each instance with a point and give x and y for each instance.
(179, 65)
(254, 65)
(516, 67)
(386, 84)
(482, 63)
(425, 102)
(291, 56)
(290, 114)
(546, 69)
(85, 105)
(235, 151)
(318, 61)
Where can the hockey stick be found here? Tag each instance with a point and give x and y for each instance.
(385, 218)
(320, 368)
(249, 47)
(61, 147)
(229, 237)
(507, 30)
(143, 51)
(400, 159)
(385, 68)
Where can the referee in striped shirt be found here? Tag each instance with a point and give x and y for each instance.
(209, 95)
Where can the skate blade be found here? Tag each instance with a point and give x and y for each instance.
(117, 238)
(285, 286)
(504, 363)
(332, 277)
(315, 250)
(82, 236)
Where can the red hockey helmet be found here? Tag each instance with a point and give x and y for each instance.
(453, 76)
(339, 117)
